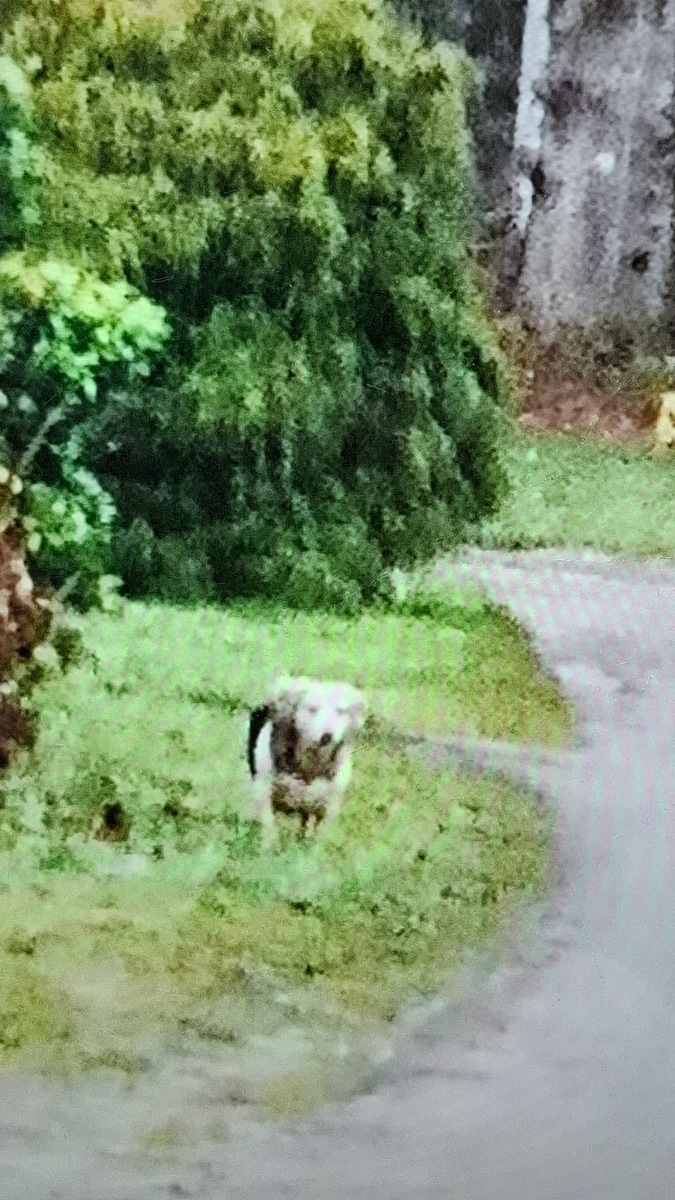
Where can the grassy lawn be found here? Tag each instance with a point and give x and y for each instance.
(137, 901)
(573, 492)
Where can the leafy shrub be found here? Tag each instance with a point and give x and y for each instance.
(290, 181)
(63, 333)
(34, 637)
(20, 161)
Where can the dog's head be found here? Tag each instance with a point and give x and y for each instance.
(325, 715)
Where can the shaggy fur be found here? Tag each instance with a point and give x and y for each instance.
(300, 745)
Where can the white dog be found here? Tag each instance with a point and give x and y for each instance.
(300, 745)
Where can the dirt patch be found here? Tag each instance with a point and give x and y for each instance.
(600, 385)
(585, 410)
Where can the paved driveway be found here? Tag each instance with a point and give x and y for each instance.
(556, 1081)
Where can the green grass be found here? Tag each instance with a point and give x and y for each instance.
(115, 934)
(583, 493)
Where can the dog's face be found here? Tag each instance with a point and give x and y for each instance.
(323, 718)
(325, 715)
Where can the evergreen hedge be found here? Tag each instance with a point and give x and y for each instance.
(288, 180)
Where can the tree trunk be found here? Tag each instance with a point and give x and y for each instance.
(593, 162)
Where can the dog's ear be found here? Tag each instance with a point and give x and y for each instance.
(358, 711)
(284, 743)
(288, 693)
(356, 706)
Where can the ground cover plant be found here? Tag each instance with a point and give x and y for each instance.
(136, 898)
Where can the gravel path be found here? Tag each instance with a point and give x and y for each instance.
(555, 1078)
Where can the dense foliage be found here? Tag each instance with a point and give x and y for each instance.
(288, 180)
(63, 334)
(35, 637)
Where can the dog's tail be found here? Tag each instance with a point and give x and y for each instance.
(257, 720)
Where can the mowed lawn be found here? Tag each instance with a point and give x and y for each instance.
(137, 900)
(581, 492)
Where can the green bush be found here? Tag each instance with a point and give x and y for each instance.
(20, 161)
(63, 333)
(36, 639)
(289, 180)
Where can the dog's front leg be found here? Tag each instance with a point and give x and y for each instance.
(332, 808)
(336, 787)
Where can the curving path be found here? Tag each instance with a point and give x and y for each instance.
(555, 1080)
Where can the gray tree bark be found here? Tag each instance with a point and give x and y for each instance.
(594, 162)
